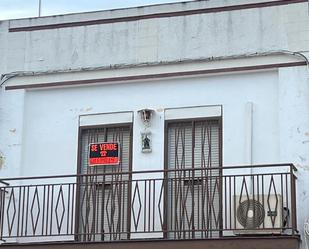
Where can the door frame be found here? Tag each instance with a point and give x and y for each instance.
(79, 163)
(193, 120)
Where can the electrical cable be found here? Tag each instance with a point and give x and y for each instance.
(5, 77)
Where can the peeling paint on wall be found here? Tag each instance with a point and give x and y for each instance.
(303, 167)
(86, 109)
(13, 145)
(302, 158)
(1, 160)
(304, 195)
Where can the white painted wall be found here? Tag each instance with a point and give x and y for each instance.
(293, 129)
(52, 116)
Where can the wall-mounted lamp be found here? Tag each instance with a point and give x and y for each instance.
(146, 115)
(146, 138)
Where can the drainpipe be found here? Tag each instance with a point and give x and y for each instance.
(249, 139)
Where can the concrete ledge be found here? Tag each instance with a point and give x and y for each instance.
(271, 242)
(127, 17)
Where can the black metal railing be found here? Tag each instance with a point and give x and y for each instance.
(167, 204)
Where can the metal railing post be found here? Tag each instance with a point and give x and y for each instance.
(293, 199)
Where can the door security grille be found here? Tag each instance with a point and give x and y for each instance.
(193, 201)
(104, 199)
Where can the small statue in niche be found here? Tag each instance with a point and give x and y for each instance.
(146, 142)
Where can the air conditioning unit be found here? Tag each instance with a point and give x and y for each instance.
(259, 215)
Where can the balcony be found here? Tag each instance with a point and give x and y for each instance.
(217, 207)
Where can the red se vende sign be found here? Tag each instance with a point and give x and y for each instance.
(103, 154)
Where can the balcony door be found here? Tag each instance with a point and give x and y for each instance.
(193, 158)
(104, 195)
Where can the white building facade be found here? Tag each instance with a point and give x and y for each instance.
(234, 73)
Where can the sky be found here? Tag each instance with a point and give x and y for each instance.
(11, 9)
